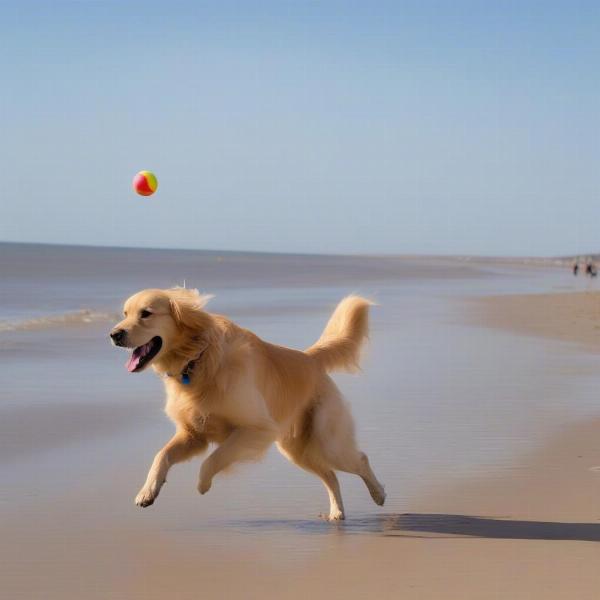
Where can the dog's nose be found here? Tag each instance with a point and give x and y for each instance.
(118, 336)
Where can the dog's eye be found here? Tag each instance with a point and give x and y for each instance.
(145, 314)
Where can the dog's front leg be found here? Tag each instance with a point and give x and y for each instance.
(244, 444)
(180, 447)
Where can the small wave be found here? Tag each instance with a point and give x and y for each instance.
(79, 317)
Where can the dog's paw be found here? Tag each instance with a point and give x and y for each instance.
(377, 493)
(335, 515)
(379, 496)
(145, 498)
(204, 485)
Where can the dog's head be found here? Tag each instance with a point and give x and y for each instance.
(160, 322)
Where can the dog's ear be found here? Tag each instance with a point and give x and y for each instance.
(187, 306)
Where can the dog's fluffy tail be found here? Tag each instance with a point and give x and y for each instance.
(338, 348)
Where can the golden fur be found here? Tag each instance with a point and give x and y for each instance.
(245, 393)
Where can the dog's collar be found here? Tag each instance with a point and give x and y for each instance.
(186, 373)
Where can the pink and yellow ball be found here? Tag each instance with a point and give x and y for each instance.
(145, 183)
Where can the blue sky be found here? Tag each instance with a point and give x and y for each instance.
(344, 127)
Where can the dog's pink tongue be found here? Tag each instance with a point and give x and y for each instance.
(133, 362)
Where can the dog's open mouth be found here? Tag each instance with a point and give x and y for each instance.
(142, 355)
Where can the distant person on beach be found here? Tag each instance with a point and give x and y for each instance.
(590, 269)
(575, 268)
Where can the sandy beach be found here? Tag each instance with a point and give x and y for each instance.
(477, 405)
(571, 317)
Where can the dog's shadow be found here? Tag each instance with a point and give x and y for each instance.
(436, 525)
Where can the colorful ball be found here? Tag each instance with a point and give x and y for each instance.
(145, 183)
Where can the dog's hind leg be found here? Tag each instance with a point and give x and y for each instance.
(182, 446)
(299, 455)
(332, 485)
(366, 474)
(358, 464)
(333, 441)
(336, 506)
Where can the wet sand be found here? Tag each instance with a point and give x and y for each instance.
(484, 432)
(570, 317)
(532, 534)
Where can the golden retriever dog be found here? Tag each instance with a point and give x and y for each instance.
(228, 387)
